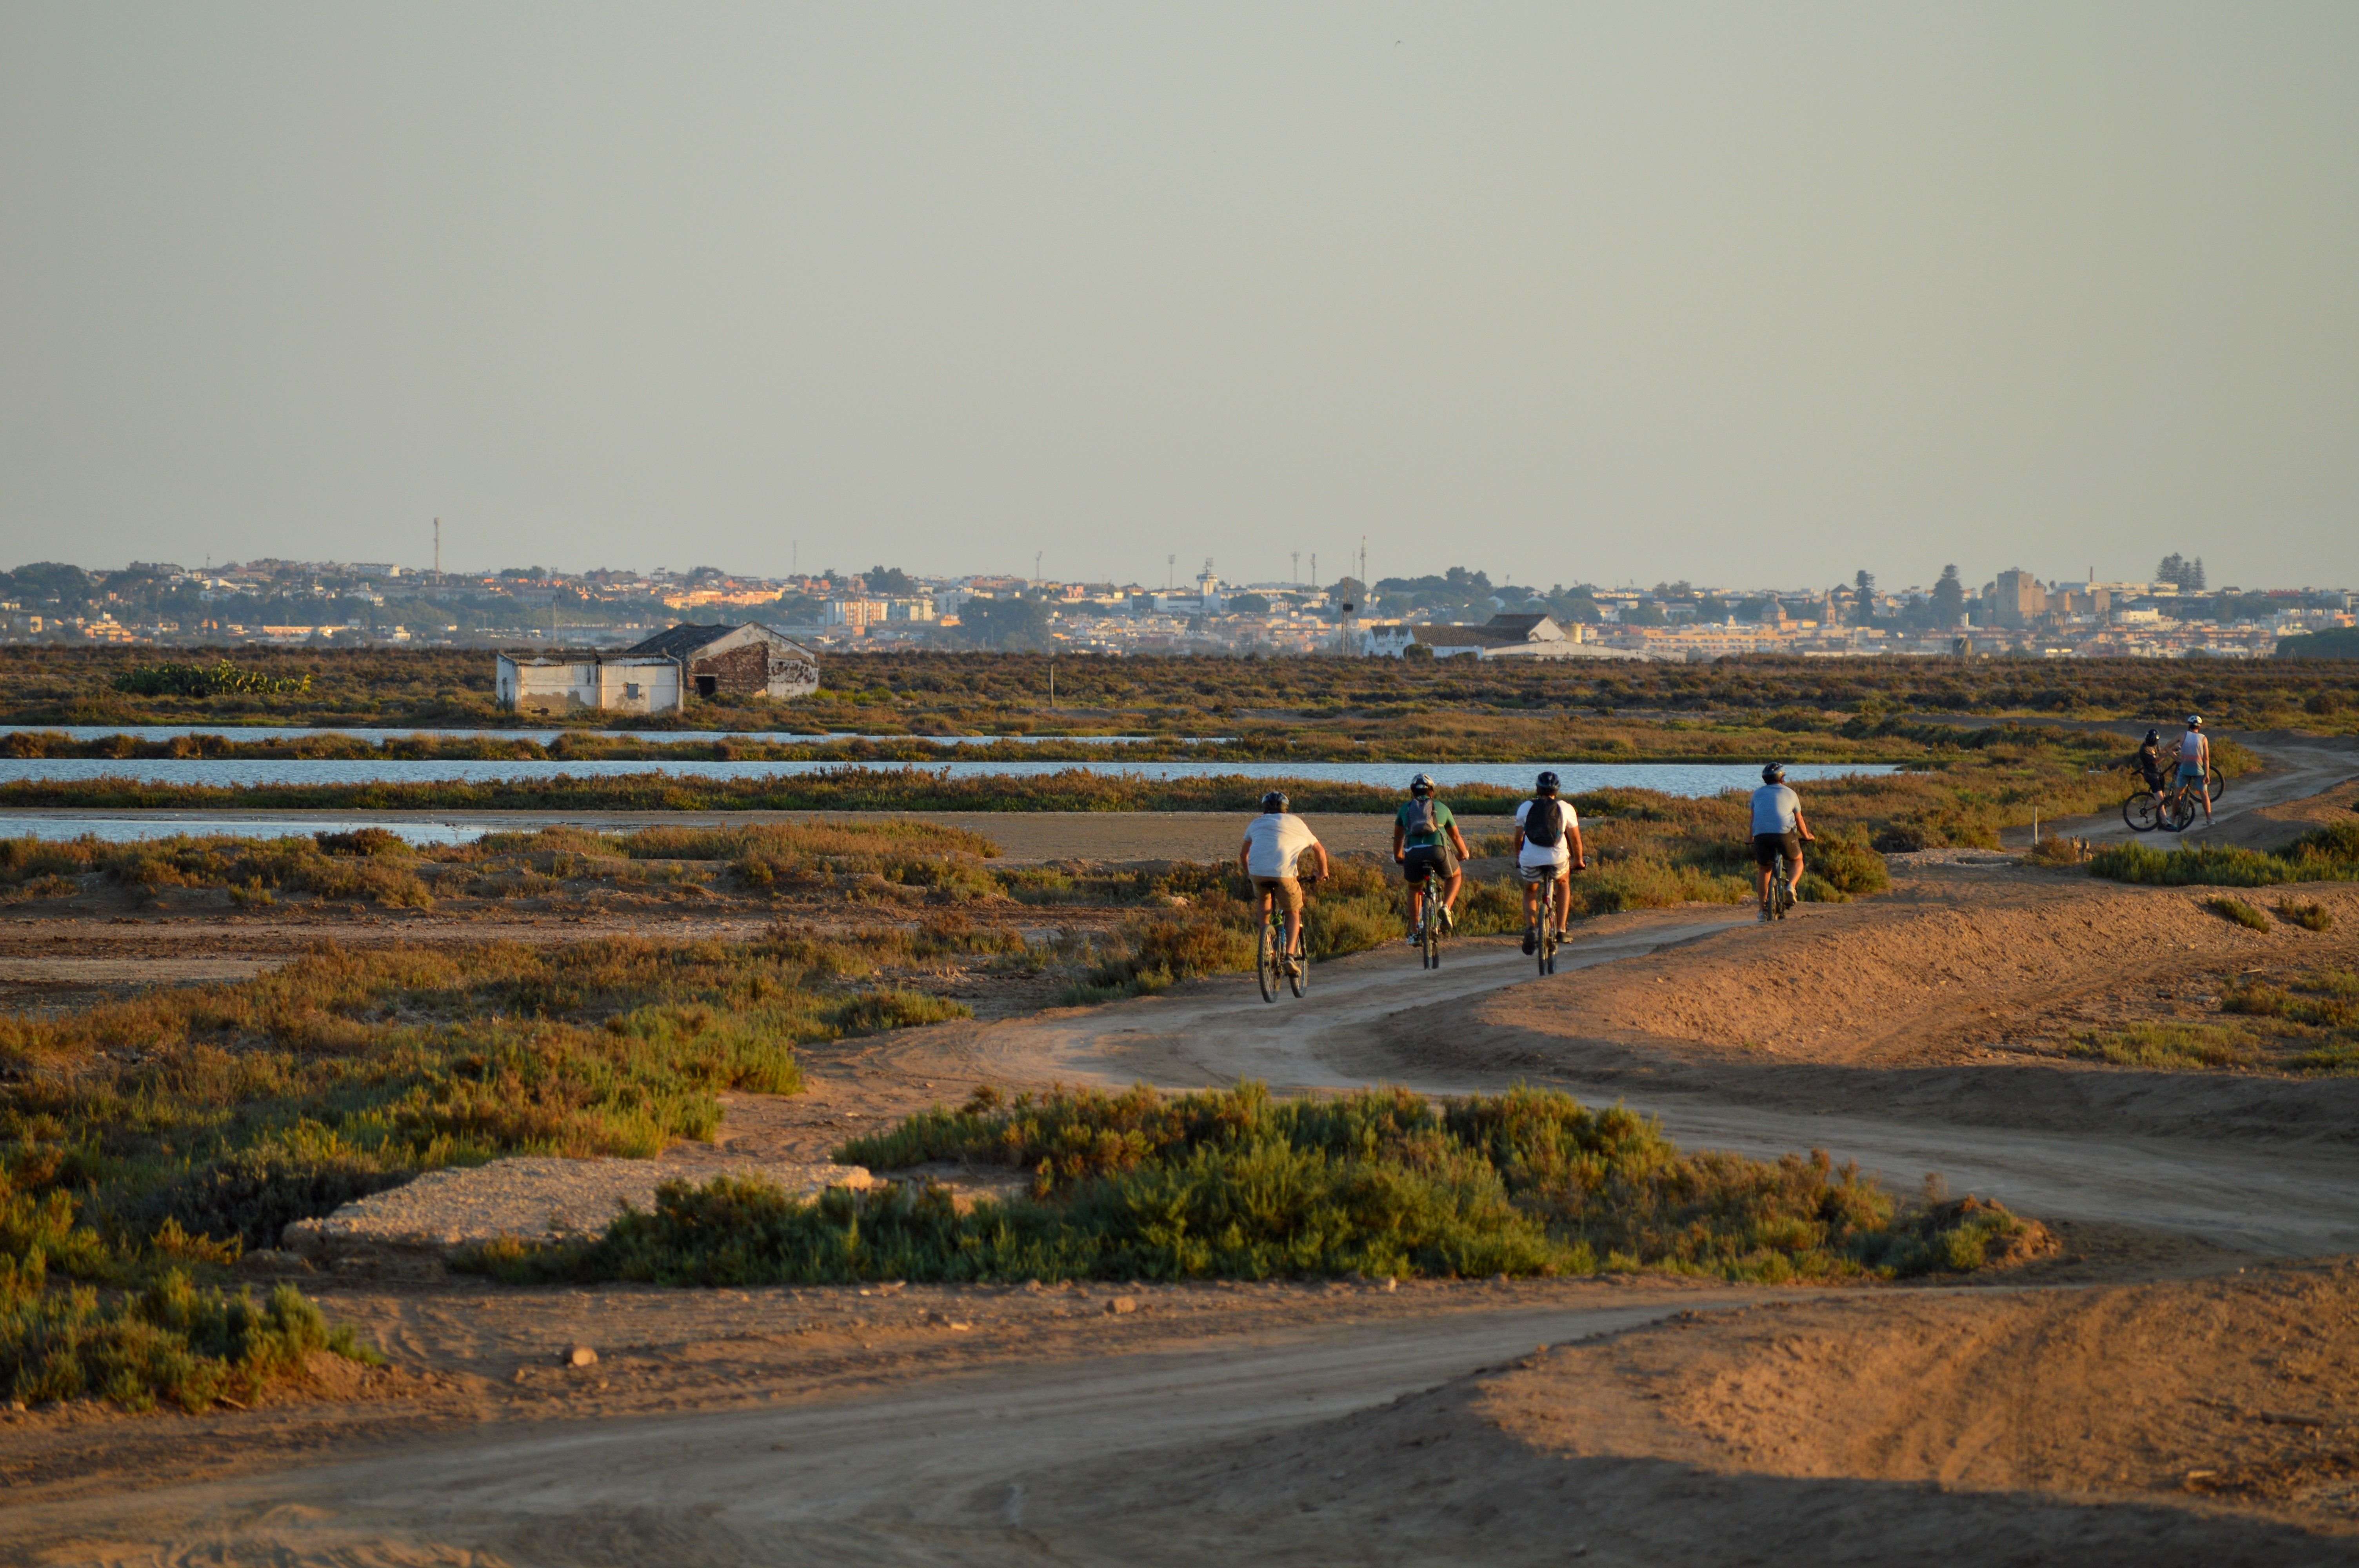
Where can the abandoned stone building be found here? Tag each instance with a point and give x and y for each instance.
(745, 661)
(661, 673)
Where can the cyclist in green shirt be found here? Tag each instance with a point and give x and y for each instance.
(1426, 843)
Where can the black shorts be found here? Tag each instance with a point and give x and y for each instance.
(1424, 861)
(1767, 847)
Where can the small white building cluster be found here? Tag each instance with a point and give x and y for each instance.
(659, 675)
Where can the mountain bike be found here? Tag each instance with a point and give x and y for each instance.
(1430, 933)
(1270, 963)
(1545, 948)
(1781, 893)
(2181, 804)
(2144, 810)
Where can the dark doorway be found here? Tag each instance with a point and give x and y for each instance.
(708, 685)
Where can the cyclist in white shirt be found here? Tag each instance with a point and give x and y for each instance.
(2195, 761)
(1548, 850)
(1778, 828)
(1274, 842)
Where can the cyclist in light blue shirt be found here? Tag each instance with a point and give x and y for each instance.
(1778, 828)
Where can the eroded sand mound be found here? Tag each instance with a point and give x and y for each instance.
(1927, 976)
(2243, 1387)
(2211, 1423)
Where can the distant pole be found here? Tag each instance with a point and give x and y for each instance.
(1170, 572)
(437, 546)
(1036, 569)
(1052, 683)
(1297, 577)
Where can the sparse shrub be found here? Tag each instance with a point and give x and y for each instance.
(2170, 1046)
(2057, 850)
(1901, 837)
(253, 1194)
(2328, 854)
(1847, 864)
(1235, 1184)
(2237, 910)
(362, 841)
(872, 1012)
(1815, 889)
(170, 1343)
(216, 679)
(2309, 916)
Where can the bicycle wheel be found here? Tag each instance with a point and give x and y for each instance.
(2218, 783)
(1265, 958)
(1543, 949)
(1429, 936)
(2178, 811)
(1781, 894)
(2142, 812)
(1297, 974)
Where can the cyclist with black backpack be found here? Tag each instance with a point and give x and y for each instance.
(1426, 843)
(1548, 850)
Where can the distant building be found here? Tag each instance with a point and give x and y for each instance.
(854, 614)
(2016, 599)
(1501, 637)
(612, 682)
(750, 660)
(659, 675)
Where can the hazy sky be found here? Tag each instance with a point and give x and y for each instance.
(1738, 292)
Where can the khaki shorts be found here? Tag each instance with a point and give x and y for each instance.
(1287, 890)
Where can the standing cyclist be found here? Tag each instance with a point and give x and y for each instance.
(1548, 850)
(1426, 843)
(2195, 761)
(2148, 762)
(1778, 828)
(1274, 841)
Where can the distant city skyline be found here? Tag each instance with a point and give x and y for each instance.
(1614, 293)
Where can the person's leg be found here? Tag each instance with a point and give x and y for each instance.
(1563, 901)
(1416, 906)
(1794, 868)
(1449, 891)
(1293, 918)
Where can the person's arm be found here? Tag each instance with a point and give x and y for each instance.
(1324, 869)
(1802, 825)
(1401, 836)
(1579, 854)
(1459, 840)
(1245, 856)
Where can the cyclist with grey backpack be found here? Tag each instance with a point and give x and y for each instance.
(1548, 850)
(1427, 844)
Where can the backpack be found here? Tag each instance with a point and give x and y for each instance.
(1422, 818)
(1544, 823)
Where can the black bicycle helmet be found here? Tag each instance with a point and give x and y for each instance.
(1774, 773)
(1273, 801)
(1548, 784)
(2154, 735)
(1421, 785)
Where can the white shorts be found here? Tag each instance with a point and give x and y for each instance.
(1538, 874)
